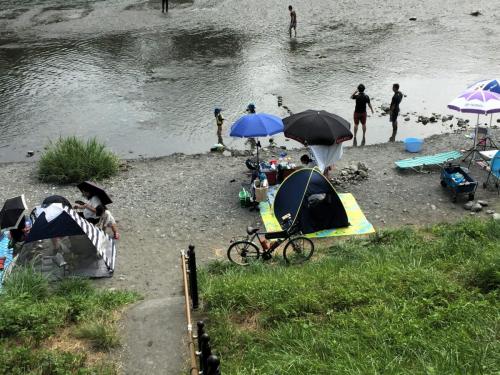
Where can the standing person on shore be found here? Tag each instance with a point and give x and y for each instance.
(219, 120)
(394, 110)
(293, 21)
(164, 6)
(360, 112)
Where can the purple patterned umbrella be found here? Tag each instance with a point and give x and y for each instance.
(476, 101)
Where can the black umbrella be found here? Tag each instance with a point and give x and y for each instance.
(12, 212)
(93, 189)
(317, 128)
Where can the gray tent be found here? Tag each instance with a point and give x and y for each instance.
(61, 243)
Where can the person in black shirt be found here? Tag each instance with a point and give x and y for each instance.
(360, 111)
(394, 110)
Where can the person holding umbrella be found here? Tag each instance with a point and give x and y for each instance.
(360, 111)
(95, 196)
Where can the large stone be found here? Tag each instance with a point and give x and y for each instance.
(483, 203)
(476, 207)
(468, 205)
(362, 166)
(496, 216)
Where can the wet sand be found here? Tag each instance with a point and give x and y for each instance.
(165, 204)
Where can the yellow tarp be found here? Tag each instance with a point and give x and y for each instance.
(359, 224)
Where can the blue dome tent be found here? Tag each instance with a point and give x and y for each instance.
(311, 200)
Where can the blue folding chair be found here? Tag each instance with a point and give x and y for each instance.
(494, 171)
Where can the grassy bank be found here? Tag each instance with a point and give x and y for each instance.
(402, 302)
(66, 328)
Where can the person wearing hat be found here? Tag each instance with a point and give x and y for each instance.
(250, 108)
(360, 111)
(219, 120)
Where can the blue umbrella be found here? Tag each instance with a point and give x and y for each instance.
(487, 85)
(256, 125)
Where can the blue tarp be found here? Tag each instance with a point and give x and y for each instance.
(4, 252)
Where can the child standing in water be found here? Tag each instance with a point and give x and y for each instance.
(219, 121)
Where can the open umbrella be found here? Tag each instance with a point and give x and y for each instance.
(476, 101)
(93, 189)
(12, 212)
(313, 127)
(487, 85)
(256, 125)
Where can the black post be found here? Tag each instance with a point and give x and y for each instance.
(193, 279)
(201, 331)
(206, 351)
(213, 365)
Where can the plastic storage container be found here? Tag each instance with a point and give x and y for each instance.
(413, 144)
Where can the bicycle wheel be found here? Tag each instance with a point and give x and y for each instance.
(298, 250)
(243, 252)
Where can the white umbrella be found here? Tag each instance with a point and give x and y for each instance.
(327, 155)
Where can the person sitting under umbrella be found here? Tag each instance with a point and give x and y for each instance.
(89, 209)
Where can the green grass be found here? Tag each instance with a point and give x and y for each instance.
(402, 302)
(69, 160)
(102, 335)
(32, 311)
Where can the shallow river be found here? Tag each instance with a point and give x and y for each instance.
(146, 83)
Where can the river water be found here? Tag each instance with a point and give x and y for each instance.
(146, 83)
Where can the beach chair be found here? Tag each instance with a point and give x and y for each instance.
(422, 161)
(494, 172)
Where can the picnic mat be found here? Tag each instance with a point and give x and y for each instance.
(359, 223)
(5, 252)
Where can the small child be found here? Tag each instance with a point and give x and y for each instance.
(106, 220)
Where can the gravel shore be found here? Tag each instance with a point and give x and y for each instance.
(164, 204)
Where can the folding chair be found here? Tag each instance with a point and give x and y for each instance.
(494, 172)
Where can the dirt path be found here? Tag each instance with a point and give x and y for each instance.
(165, 204)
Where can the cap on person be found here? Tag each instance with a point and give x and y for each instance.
(361, 87)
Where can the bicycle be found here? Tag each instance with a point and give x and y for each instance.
(297, 250)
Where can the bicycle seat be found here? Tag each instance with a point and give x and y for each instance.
(251, 230)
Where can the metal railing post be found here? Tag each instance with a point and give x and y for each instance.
(213, 365)
(193, 278)
(206, 352)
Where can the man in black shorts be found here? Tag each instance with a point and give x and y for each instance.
(360, 111)
(293, 21)
(394, 110)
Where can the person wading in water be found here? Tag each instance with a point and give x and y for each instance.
(219, 120)
(394, 110)
(293, 21)
(164, 6)
(360, 112)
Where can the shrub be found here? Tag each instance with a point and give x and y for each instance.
(24, 281)
(102, 335)
(72, 160)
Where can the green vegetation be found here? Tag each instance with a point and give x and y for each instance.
(72, 160)
(34, 313)
(401, 302)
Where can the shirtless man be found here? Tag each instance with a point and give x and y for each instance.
(293, 21)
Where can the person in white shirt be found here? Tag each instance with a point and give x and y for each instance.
(106, 220)
(89, 208)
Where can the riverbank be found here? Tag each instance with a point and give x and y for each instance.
(164, 204)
